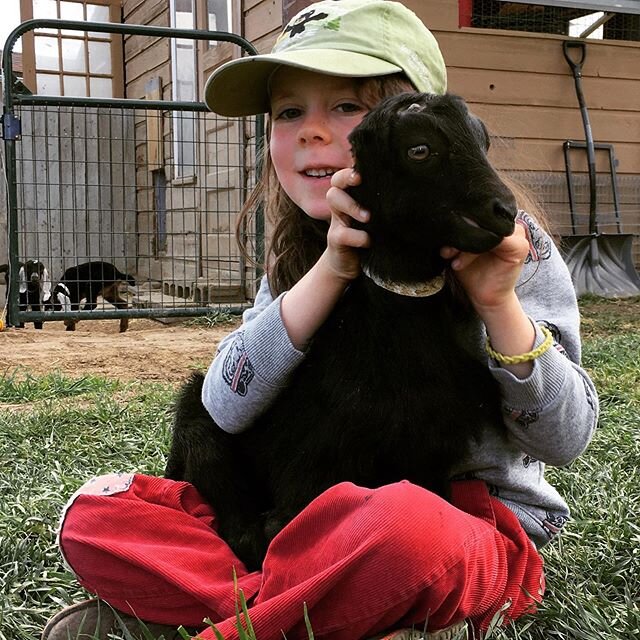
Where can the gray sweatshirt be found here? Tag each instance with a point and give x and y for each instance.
(550, 416)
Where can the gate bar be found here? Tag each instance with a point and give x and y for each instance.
(24, 99)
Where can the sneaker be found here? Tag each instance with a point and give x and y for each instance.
(96, 620)
(458, 631)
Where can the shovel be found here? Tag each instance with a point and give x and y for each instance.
(600, 264)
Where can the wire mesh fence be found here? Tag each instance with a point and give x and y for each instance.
(617, 199)
(559, 20)
(130, 206)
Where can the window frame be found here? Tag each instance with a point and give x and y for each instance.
(611, 6)
(179, 172)
(30, 70)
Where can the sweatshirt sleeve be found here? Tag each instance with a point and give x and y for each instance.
(252, 365)
(552, 413)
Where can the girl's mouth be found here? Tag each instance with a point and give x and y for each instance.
(319, 173)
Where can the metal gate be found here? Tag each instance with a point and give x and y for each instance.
(89, 181)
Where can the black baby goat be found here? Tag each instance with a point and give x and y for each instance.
(394, 385)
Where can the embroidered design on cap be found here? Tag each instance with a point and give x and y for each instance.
(300, 25)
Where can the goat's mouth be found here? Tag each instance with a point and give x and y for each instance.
(473, 223)
(469, 234)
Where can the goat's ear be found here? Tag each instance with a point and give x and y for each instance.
(480, 132)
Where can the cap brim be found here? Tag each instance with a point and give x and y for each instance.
(241, 87)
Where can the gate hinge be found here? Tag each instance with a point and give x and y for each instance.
(11, 127)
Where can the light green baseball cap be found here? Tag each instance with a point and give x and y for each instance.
(351, 38)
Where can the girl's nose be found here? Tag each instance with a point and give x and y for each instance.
(314, 128)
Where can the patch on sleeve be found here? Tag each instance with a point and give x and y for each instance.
(521, 418)
(557, 336)
(553, 524)
(237, 370)
(539, 242)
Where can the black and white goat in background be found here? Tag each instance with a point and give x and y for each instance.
(34, 287)
(84, 283)
(394, 385)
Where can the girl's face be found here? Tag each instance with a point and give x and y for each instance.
(311, 116)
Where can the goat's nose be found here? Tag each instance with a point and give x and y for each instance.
(505, 208)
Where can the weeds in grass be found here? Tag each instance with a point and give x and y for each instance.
(213, 319)
(56, 432)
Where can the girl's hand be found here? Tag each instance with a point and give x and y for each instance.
(343, 241)
(489, 279)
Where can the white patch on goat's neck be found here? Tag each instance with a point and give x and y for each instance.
(45, 289)
(22, 277)
(63, 296)
(413, 289)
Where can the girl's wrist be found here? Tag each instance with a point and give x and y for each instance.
(341, 275)
(505, 309)
(510, 332)
(306, 306)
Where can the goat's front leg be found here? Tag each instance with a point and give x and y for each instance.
(206, 456)
(35, 306)
(112, 295)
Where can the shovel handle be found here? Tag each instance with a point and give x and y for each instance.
(576, 66)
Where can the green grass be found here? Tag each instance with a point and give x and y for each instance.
(56, 432)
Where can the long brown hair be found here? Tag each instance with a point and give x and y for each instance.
(296, 241)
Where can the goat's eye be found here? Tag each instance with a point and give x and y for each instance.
(419, 153)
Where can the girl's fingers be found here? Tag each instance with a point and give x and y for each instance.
(449, 252)
(463, 260)
(345, 178)
(343, 236)
(514, 248)
(341, 202)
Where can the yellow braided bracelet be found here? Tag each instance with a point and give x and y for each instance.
(525, 357)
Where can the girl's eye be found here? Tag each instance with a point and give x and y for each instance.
(350, 107)
(288, 114)
(419, 153)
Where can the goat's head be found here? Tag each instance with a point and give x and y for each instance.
(33, 276)
(427, 182)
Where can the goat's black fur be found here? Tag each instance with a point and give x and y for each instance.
(86, 282)
(393, 387)
(34, 287)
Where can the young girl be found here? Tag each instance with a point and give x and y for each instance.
(364, 561)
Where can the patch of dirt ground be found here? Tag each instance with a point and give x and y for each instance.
(148, 350)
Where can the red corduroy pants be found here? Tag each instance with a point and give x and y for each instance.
(363, 560)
